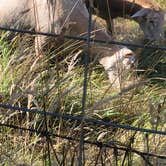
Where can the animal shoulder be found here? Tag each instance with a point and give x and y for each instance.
(146, 4)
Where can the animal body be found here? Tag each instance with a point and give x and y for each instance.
(147, 13)
(63, 17)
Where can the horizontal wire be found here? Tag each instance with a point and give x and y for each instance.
(83, 119)
(77, 118)
(156, 47)
(96, 143)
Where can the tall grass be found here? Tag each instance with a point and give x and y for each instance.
(54, 83)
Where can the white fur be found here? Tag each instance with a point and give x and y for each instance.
(118, 65)
(62, 16)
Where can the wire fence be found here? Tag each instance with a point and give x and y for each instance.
(82, 119)
(79, 38)
(79, 119)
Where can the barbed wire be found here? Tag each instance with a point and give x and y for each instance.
(83, 119)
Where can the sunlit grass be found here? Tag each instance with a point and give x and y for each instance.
(55, 83)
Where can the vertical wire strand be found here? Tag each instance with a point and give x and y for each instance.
(85, 83)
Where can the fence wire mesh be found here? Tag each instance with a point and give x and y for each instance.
(75, 149)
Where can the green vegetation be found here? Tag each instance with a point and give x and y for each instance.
(54, 83)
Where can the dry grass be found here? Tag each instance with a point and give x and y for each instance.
(54, 83)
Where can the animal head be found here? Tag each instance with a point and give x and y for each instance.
(151, 22)
(119, 65)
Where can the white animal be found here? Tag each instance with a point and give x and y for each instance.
(63, 17)
(147, 13)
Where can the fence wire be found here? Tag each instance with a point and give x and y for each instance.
(111, 144)
(79, 38)
(83, 119)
